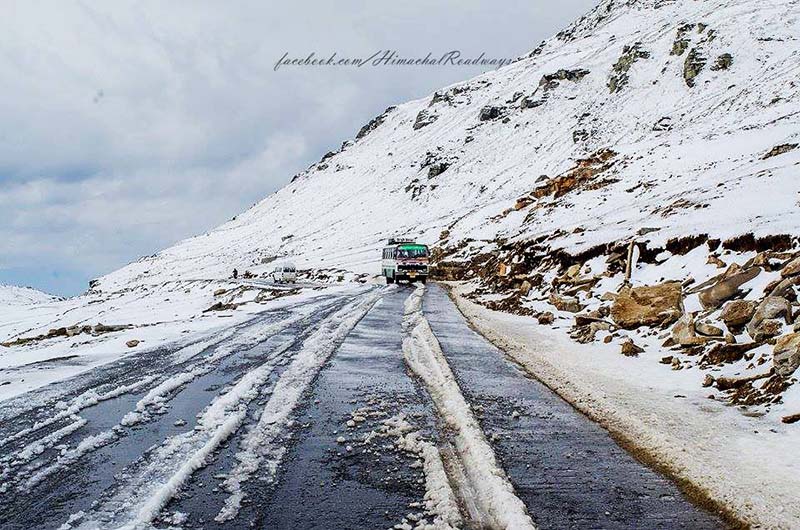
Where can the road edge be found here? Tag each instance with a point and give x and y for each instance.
(598, 411)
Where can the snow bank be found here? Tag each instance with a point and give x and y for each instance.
(744, 464)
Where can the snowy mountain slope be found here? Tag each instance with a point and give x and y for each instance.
(689, 97)
(11, 295)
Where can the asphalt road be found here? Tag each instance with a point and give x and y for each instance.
(300, 418)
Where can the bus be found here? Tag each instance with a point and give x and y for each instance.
(405, 260)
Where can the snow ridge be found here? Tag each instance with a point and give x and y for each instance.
(494, 495)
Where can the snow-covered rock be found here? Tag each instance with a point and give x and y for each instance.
(11, 295)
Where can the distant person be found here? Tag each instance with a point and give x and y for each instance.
(235, 274)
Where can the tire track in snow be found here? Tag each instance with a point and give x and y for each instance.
(160, 475)
(483, 489)
(259, 443)
(157, 399)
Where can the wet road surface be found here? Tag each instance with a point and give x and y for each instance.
(308, 417)
(569, 471)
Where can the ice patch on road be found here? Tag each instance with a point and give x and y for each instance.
(491, 492)
(259, 444)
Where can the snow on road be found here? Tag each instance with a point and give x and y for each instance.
(259, 442)
(490, 491)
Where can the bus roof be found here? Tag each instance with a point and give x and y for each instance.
(411, 246)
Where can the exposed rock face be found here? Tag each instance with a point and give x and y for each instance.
(424, 118)
(727, 287)
(652, 305)
(707, 329)
(619, 72)
(584, 172)
(737, 313)
(779, 150)
(684, 333)
(766, 329)
(723, 62)
(373, 124)
(693, 66)
(763, 323)
(489, 112)
(437, 168)
(727, 353)
(786, 354)
(564, 75)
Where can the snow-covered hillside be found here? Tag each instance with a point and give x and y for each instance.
(692, 107)
(633, 182)
(11, 295)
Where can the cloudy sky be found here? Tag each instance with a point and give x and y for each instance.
(129, 125)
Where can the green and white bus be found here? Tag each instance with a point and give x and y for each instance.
(405, 260)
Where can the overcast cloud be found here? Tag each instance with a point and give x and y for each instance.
(127, 126)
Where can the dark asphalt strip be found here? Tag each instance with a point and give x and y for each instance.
(568, 470)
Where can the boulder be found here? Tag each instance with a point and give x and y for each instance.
(132, 343)
(767, 329)
(792, 268)
(737, 313)
(786, 354)
(784, 287)
(772, 307)
(727, 286)
(630, 349)
(683, 332)
(525, 288)
(709, 330)
(651, 305)
(565, 303)
(546, 318)
(728, 353)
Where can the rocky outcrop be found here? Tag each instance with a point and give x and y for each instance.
(489, 112)
(723, 62)
(693, 66)
(683, 332)
(424, 118)
(374, 123)
(584, 171)
(619, 72)
(792, 268)
(779, 150)
(564, 75)
(653, 305)
(630, 349)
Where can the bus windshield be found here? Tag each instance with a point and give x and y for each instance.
(412, 252)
